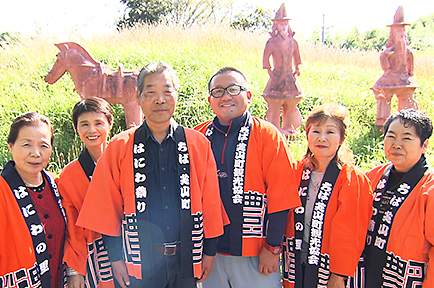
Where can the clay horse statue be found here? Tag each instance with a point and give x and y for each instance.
(92, 78)
(397, 61)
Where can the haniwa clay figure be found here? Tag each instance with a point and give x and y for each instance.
(397, 62)
(283, 90)
(92, 78)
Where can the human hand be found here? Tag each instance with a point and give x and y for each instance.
(120, 272)
(268, 262)
(297, 71)
(75, 281)
(336, 281)
(270, 73)
(207, 264)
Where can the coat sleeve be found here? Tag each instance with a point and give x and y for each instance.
(429, 234)
(279, 172)
(351, 220)
(73, 185)
(103, 206)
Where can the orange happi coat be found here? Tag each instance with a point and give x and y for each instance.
(17, 254)
(411, 236)
(269, 171)
(111, 193)
(345, 226)
(73, 186)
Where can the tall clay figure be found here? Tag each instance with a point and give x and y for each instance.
(397, 62)
(283, 91)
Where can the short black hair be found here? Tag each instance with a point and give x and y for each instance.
(411, 117)
(222, 71)
(92, 104)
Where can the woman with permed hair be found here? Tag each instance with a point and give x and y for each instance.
(32, 222)
(324, 237)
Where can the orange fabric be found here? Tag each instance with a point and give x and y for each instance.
(72, 186)
(269, 170)
(16, 248)
(346, 220)
(111, 192)
(412, 232)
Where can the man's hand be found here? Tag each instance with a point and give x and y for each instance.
(120, 272)
(268, 262)
(75, 281)
(336, 281)
(207, 263)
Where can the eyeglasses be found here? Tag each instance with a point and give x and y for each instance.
(232, 90)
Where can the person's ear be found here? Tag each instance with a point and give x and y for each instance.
(425, 146)
(249, 96)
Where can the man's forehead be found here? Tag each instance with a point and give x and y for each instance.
(158, 79)
(227, 78)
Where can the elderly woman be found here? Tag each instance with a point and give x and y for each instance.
(85, 255)
(32, 223)
(400, 238)
(324, 238)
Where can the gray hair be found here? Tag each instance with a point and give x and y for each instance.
(156, 68)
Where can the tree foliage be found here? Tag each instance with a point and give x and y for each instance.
(7, 38)
(420, 34)
(180, 12)
(258, 19)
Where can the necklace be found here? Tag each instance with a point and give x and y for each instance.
(316, 179)
(36, 188)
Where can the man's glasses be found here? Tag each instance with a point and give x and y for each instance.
(232, 90)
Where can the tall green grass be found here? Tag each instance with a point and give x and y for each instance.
(327, 75)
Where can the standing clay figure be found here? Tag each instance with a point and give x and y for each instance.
(397, 62)
(282, 90)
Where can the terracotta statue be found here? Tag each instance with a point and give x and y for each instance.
(283, 90)
(397, 62)
(92, 78)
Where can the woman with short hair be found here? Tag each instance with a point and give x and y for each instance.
(32, 222)
(85, 254)
(324, 237)
(400, 238)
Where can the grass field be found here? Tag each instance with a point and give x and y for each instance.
(327, 75)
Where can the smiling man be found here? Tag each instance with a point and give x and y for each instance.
(256, 181)
(154, 195)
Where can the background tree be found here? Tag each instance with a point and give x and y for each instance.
(248, 20)
(144, 12)
(180, 12)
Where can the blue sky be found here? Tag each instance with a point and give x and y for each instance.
(63, 17)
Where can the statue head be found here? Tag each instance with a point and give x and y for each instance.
(281, 23)
(398, 35)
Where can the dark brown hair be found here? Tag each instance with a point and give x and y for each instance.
(92, 104)
(28, 119)
(416, 118)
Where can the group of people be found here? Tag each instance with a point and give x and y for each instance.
(220, 205)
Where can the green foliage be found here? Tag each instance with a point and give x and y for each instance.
(144, 12)
(7, 38)
(258, 19)
(327, 75)
(420, 34)
(177, 12)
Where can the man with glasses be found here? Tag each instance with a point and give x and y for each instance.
(257, 186)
